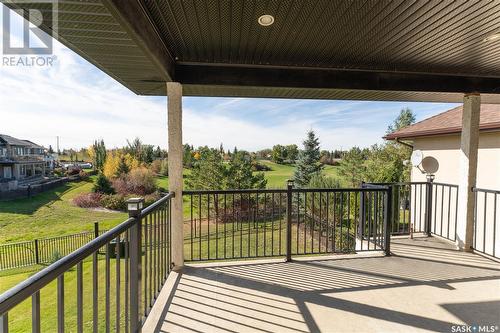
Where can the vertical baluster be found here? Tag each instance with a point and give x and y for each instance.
(208, 226)
(60, 303)
(118, 281)
(146, 265)
(199, 229)
(4, 323)
(154, 257)
(127, 290)
(79, 297)
(225, 227)
(272, 225)
(107, 285)
(484, 220)
(150, 264)
(449, 208)
(95, 293)
(35, 312)
(304, 220)
(494, 222)
(216, 207)
(191, 216)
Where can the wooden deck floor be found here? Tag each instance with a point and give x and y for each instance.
(425, 286)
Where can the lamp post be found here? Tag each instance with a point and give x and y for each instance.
(134, 207)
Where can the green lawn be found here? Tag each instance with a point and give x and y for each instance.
(52, 213)
(280, 173)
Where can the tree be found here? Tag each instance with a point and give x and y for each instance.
(208, 172)
(188, 156)
(97, 152)
(123, 168)
(292, 152)
(50, 150)
(352, 166)
(103, 185)
(278, 154)
(240, 173)
(308, 161)
(406, 118)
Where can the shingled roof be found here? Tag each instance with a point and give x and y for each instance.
(448, 122)
(18, 142)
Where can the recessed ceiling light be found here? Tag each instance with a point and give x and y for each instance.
(491, 37)
(265, 20)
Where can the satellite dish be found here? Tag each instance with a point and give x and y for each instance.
(416, 157)
(430, 165)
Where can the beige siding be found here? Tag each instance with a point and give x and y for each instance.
(446, 150)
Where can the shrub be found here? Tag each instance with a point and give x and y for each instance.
(139, 181)
(256, 166)
(83, 175)
(73, 171)
(114, 202)
(88, 200)
(160, 167)
(151, 198)
(103, 185)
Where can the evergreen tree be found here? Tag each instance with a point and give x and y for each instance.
(103, 185)
(308, 162)
(405, 119)
(50, 151)
(352, 166)
(123, 168)
(208, 172)
(240, 173)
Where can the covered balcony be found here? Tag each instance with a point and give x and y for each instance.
(416, 256)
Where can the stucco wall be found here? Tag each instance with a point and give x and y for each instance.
(446, 149)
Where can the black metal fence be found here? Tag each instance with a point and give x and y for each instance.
(234, 224)
(118, 277)
(43, 251)
(486, 222)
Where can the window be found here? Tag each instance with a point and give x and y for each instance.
(3, 151)
(23, 170)
(7, 172)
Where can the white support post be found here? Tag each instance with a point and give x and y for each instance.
(468, 170)
(174, 92)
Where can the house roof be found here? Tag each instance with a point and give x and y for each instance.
(326, 49)
(18, 142)
(449, 122)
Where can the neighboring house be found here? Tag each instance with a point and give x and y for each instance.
(439, 137)
(20, 161)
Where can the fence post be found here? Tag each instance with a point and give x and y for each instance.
(96, 229)
(134, 206)
(37, 255)
(289, 187)
(362, 212)
(428, 205)
(388, 221)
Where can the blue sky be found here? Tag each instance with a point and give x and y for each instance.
(79, 103)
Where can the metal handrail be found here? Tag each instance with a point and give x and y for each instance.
(477, 189)
(156, 204)
(28, 287)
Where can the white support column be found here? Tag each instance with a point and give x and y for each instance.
(174, 92)
(468, 170)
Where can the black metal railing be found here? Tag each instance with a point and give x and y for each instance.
(444, 210)
(234, 224)
(486, 222)
(424, 207)
(118, 274)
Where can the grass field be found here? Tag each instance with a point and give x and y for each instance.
(280, 173)
(52, 214)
